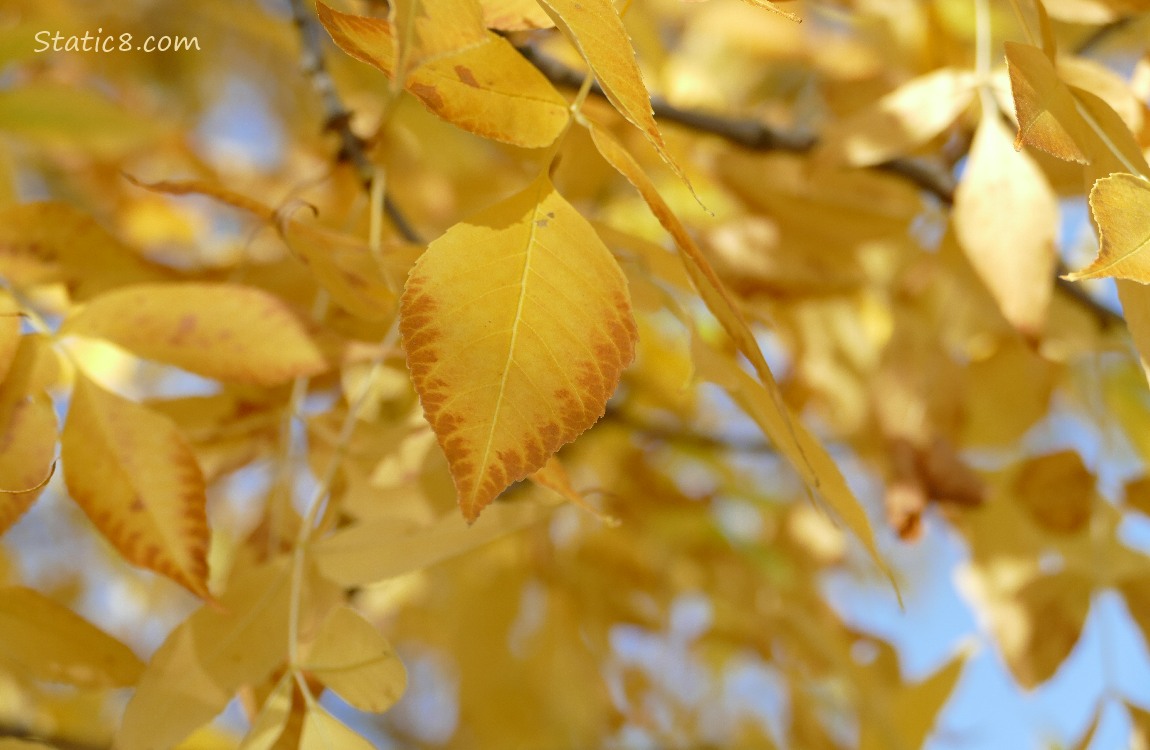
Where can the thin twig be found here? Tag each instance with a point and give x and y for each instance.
(353, 148)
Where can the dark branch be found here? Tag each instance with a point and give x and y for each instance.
(337, 117)
(753, 135)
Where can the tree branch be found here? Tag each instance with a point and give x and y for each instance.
(754, 135)
(337, 117)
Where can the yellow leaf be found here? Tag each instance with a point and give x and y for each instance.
(597, 31)
(1047, 115)
(554, 477)
(354, 556)
(201, 664)
(814, 465)
(1006, 217)
(322, 731)
(1121, 207)
(222, 331)
(899, 122)
(10, 743)
(50, 242)
(44, 640)
(345, 267)
(71, 116)
(272, 718)
(9, 331)
(1057, 490)
(353, 659)
(134, 475)
(514, 15)
(517, 325)
(768, 5)
(484, 87)
(805, 454)
(27, 430)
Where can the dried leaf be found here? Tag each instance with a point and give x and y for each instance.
(517, 326)
(44, 640)
(134, 475)
(224, 331)
(353, 659)
(484, 87)
(1121, 207)
(1006, 217)
(1047, 114)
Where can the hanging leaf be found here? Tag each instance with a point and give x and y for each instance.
(28, 429)
(44, 640)
(134, 475)
(1047, 115)
(484, 86)
(353, 659)
(517, 325)
(1006, 217)
(899, 122)
(322, 731)
(1121, 207)
(223, 331)
(597, 31)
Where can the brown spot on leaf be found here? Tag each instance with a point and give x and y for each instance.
(466, 76)
(429, 95)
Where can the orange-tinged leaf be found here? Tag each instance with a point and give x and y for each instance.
(1006, 218)
(517, 326)
(1047, 116)
(345, 267)
(597, 31)
(45, 640)
(224, 331)
(902, 120)
(27, 429)
(134, 475)
(51, 242)
(1121, 207)
(353, 659)
(485, 87)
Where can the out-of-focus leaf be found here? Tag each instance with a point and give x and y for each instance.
(44, 640)
(1057, 490)
(223, 331)
(53, 115)
(353, 659)
(322, 731)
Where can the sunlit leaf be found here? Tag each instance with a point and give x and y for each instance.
(45, 640)
(1006, 217)
(1047, 115)
(484, 87)
(136, 478)
(902, 120)
(223, 331)
(517, 325)
(1121, 207)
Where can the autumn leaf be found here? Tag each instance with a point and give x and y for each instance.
(225, 331)
(517, 326)
(597, 31)
(322, 731)
(132, 472)
(514, 15)
(44, 640)
(59, 115)
(553, 476)
(353, 659)
(902, 120)
(194, 673)
(1121, 207)
(483, 86)
(27, 428)
(1047, 114)
(353, 556)
(765, 402)
(1006, 217)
